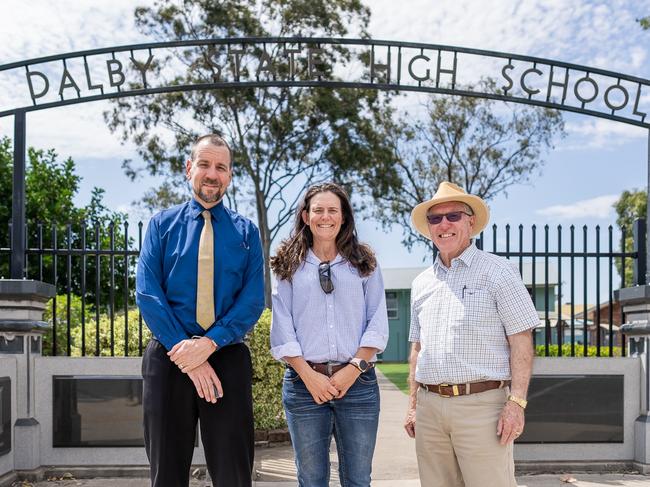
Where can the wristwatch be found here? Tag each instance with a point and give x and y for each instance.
(361, 364)
(522, 403)
(198, 337)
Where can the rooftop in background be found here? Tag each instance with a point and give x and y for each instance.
(402, 277)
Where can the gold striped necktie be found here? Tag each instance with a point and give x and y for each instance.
(205, 275)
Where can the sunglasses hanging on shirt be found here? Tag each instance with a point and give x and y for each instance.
(325, 277)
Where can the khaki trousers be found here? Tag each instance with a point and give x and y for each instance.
(456, 441)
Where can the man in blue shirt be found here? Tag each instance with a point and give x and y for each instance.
(196, 368)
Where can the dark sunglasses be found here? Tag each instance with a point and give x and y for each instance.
(452, 217)
(325, 277)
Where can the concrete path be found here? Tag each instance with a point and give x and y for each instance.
(585, 480)
(394, 463)
(394, 457)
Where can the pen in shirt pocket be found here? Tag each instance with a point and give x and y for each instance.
(464, 289)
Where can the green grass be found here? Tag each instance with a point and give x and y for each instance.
(397, 374)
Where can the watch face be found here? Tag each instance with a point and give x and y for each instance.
(363, 365)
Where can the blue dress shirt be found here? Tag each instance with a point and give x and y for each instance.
(167, 273)
(328, 327)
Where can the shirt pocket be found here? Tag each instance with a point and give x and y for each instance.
(479, 306)
(481, 323)
(234, 261)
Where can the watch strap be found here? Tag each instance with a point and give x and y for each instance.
(356, 362)
(522, 403)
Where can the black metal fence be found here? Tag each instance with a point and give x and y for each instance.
(572, 276)
(93, 270)
(586, 271)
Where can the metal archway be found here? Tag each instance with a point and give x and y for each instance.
(115, 72)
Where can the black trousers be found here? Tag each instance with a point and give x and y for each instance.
(172, 408)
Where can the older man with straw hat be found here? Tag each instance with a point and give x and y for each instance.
(472, 354)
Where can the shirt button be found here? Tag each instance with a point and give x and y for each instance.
(331, 326)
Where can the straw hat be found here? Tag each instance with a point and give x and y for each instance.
(451, 192)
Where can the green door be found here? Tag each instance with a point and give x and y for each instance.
(397, 304)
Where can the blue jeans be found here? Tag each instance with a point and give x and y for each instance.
(352, 420)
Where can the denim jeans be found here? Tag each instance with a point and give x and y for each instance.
(352, 420)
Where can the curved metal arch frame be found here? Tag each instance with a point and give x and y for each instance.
(18, 208)
(371, 83)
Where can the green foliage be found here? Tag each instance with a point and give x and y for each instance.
(267, 377)
(86, 339)
(51, 186)
(644, 22)
(464, 140)
(630, 206)
(540, 350)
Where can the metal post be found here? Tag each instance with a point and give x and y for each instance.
(17, 266)
(639, 235)
(647, 221)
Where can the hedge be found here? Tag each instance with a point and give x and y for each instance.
(540, 350)
(90, 330)
(267, 378)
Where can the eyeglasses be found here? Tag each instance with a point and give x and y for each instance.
(325, 277)
(452, 217)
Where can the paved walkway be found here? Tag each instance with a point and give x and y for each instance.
(394, 462)
(587, 480)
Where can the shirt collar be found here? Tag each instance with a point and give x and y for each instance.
(196, 209)
(465, 257)
(313, 259)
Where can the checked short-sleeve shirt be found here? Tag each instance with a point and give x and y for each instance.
(462, 316)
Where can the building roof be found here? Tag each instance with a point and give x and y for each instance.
(402, 277)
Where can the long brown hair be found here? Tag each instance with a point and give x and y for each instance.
(293, 250)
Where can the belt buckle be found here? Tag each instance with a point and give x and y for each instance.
(329, 369)
(454, 390)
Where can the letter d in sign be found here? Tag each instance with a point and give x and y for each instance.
(46, 84)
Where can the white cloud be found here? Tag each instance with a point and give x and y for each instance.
(599, 133)
(599, 207)
(41, 28)
(576, 31)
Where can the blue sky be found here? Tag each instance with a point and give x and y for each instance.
(580, 180)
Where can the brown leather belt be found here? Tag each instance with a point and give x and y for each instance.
(451, 390)
(327, 368)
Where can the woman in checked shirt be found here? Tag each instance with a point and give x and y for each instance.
(329, 322)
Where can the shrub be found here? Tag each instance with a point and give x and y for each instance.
(90, 330)
(267, 377)
(540, 350)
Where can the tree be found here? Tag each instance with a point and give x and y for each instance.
(283, 139)
(630, 206)
(644, 22)
(50, 188)
(464, 140)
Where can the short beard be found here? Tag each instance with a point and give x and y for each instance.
(210, 198)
